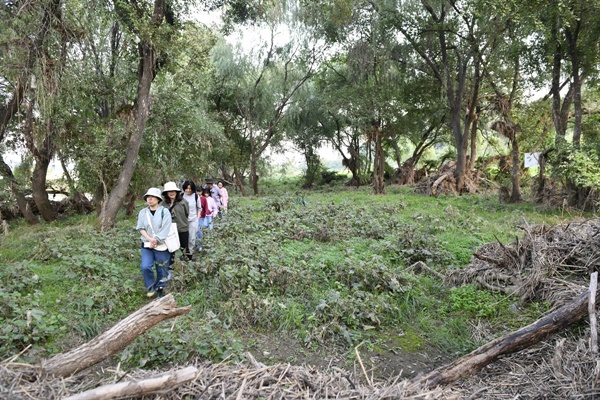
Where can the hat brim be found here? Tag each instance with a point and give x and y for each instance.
(164, 192)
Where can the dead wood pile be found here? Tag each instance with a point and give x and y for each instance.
(219, 381)
(558, 368)
(550, 263)
(444, 182)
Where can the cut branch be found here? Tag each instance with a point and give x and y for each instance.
(158, 384)
(511, 343)
(115, 339)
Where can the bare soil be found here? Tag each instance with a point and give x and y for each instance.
(384, 361)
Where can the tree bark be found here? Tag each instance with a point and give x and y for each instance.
(7, 173)
(473, 155)
(572, 35)
(521, 339)
(115, 339)
(238, 182)
(146, 73)
(42, 156)
(159, 384)
(38, 183)
(379, 163)
(515, 196)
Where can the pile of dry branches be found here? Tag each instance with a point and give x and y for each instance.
(212, 381)
(549, 264)
(444, 182)
(562, 368)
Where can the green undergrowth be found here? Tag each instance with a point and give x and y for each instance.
(328, 270)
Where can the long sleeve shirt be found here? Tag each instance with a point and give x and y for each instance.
(161, 223)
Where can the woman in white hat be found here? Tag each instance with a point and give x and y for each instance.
(179, 210)
(153, 224)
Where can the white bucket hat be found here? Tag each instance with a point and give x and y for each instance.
(155, 192)
(171, 186)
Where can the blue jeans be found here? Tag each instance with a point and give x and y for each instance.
(154, 259)
(205, 222)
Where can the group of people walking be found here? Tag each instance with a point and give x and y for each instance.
(192, 209)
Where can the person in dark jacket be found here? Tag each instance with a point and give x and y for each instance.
(179, 210)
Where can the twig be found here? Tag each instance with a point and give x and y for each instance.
(592, 312)
(425, 267)
(362, 366)
(13, 358)
(239, 396)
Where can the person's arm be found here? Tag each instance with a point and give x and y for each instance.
(142, 227)
(186, 207)
(204, 204)
(165, 224)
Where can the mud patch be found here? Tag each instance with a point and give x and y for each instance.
(389, 358)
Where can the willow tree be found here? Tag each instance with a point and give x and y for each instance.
(147, 23)
(260, 86)
(16, 65)
(566, 44)
(308, 127)
(35, 35)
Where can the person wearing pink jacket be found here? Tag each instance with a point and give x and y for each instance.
(224, 196)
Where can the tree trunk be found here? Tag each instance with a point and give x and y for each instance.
(225, 172)
(354, 162)
(511, 343)
(406, 173)
(38, 182)
(560, 113)
(515, 195)
(397, 152)
(253, 174)
(7, 173)
(145, 77)
(42, 156)
(572, 34)
(80, 201)
(115, 339)
(379, 164)
(461, 143)
(473, 155)
(541, 188)
(238, 182)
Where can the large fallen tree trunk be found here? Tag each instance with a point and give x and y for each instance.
(162, 383)
(511, 343)
(115, 339)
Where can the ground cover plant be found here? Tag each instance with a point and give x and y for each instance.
(289, 277)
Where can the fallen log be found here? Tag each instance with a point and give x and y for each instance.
(162, 383)
(521, 339)
(115, 339)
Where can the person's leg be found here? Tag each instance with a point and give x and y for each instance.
(184, 239)
(161, 260)
(147, 269)
(209, 222)
(193, 226)
(199, 233)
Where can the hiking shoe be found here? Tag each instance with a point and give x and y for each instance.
(160, 292)
(151, 292)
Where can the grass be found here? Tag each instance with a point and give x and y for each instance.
(326, 269)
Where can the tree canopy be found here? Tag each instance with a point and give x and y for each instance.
(129, 94)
